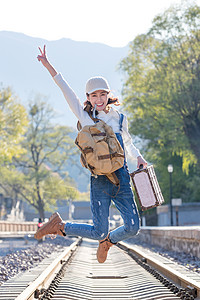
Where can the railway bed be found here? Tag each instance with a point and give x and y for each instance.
(128, 273)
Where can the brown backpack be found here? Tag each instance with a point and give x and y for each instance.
(101, 151)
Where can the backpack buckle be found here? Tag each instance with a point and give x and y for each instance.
(95, 176)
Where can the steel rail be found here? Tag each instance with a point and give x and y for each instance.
(176, 276)
(122, 276)
(45, 278)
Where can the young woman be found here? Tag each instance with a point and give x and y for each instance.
(102, 190)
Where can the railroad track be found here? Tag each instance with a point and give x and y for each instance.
(128, 273)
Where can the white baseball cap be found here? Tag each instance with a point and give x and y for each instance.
(97, 83)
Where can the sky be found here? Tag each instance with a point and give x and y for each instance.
(111, 22)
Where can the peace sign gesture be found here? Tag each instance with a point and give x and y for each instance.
(43, 57)
(45, 62)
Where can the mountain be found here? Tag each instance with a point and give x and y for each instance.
(77, 61)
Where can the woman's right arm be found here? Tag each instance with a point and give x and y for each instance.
(69, 94)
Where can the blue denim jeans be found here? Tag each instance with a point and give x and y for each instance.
(102, 191)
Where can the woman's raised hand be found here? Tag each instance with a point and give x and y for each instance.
(43, 57)
(45, 62)
(141, 161)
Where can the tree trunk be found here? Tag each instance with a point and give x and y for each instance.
(41, 213)
(40, 202)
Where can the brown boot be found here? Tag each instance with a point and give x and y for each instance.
(55, 225)
(103, 248)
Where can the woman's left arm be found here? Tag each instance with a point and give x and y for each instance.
(130, 147)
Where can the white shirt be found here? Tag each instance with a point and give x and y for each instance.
(111, 118)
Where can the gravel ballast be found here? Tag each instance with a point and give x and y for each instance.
(190, 262)
(17, 261)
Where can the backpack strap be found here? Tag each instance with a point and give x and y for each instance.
(113, 178)
(79, 127)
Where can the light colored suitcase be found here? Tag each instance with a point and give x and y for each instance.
(147, 188)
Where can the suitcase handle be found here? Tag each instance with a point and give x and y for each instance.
(139, 169)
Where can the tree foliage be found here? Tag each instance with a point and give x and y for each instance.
(43, 179)
(34, 153)
(162, 90)
(13, 123)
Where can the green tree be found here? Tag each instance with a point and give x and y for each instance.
(22, 185)
(13, 122)
(161, 93)
(42, 178)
